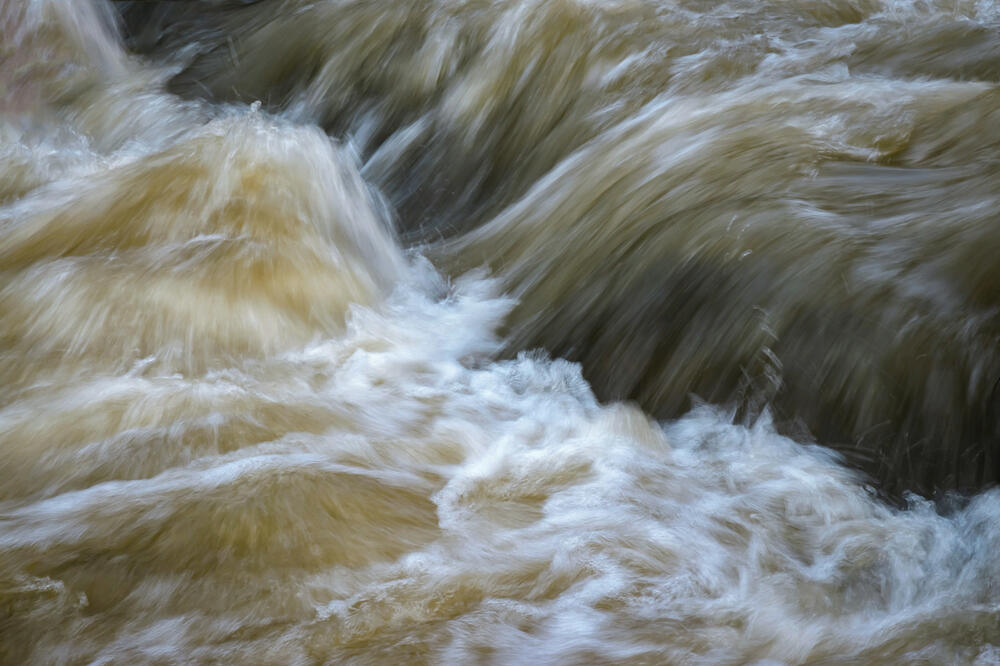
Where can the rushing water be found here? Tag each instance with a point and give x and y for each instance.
(511, 331)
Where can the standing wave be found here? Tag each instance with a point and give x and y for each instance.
(788, 205)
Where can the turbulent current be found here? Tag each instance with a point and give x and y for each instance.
(500, 331)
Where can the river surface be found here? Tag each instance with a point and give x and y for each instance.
(500, 332)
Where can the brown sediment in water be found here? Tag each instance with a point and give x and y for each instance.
(264, 393)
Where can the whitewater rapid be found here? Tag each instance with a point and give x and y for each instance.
(280, 377)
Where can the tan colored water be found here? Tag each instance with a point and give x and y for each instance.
(280, 382)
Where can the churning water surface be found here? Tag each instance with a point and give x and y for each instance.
(499, 331)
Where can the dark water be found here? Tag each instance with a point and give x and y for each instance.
(490, 332)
